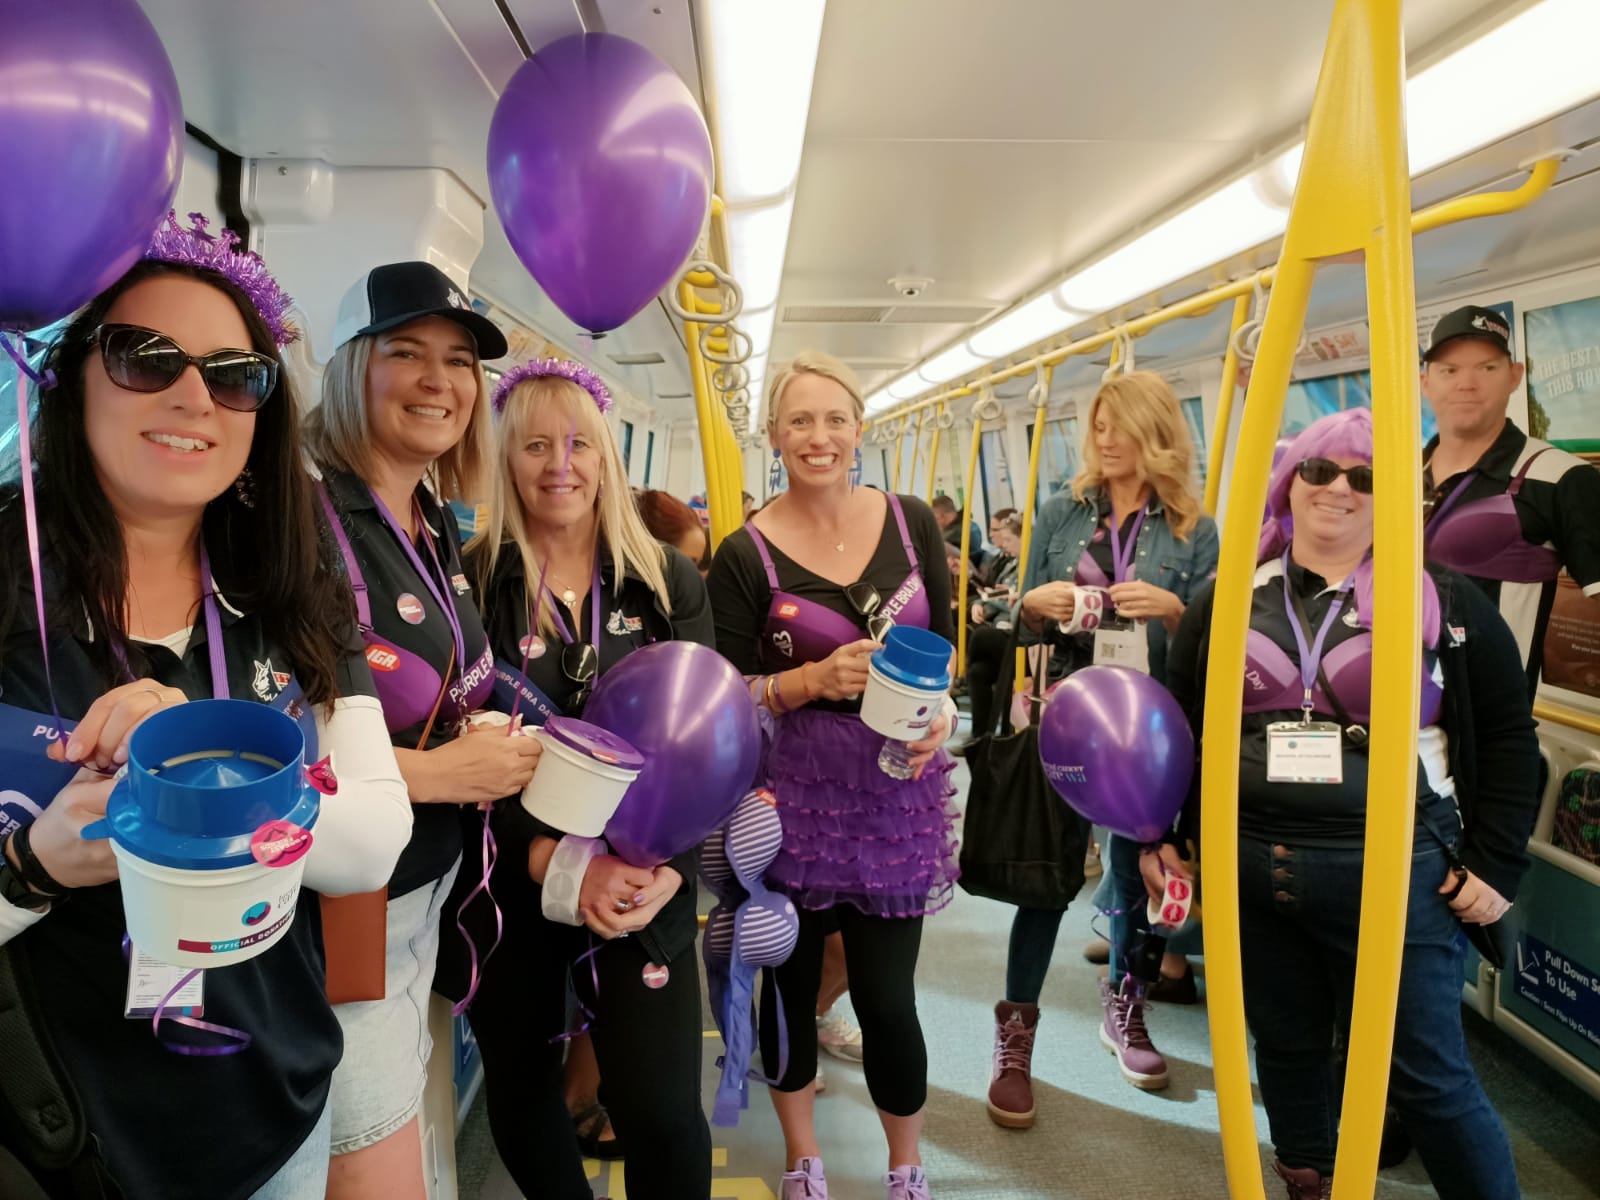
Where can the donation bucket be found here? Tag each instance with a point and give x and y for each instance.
(907, 681)
(582, 776)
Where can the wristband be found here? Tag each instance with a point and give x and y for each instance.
(563, 878)
(1088, 610)
(30, 870)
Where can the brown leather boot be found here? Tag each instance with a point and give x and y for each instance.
(1010, 1082)
(1304, 1183)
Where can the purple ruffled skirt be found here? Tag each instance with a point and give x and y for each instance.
(851, 834)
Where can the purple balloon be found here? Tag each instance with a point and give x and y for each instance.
(1117, 748)
(91, 143)
(688, 711)
(600, 169)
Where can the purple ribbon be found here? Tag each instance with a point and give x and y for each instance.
(240, 1040)
(594, 977)
(438, 587)
(1122, 565)
(1310, 656)
(1449, 501)
(491, 856)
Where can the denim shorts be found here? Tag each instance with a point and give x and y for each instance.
(377, 1087)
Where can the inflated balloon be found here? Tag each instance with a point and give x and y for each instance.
(600, 168)
(689, 712)
(1117, 748)
(91, 144)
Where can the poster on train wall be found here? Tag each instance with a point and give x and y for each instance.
(1572, 641)
(1564, 374)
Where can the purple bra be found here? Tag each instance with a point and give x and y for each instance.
(407, 684)
(1484, 538)
(801, 631)
(1272, 679)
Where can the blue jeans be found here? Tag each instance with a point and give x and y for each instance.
(1299, 913)
(1122, 894)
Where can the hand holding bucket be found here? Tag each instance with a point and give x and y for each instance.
(582, 776)
(210, 828)
(907, 682)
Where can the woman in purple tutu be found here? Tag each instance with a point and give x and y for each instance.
(799, 595)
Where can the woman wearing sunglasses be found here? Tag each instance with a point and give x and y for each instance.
(1114, 560)
(182, 559)
(404, 423)
(1302, 818)
(801, 594)
(572, 583)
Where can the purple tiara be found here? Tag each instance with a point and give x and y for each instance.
(198, 248)
(537, 368)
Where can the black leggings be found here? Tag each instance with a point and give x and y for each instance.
(647, 1042)
(880, 954)
(986, 656)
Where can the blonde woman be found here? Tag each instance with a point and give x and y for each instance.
(796, 593)
(572, 583)
(403, 401)
(1131, 536)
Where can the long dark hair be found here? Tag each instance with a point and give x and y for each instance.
(273, 558)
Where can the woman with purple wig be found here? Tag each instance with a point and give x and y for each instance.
(1302, 815)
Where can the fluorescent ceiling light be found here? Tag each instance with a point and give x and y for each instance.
(952, 364)
(879, 401)
(758, 238)
(906, 387)
(756, 364)
(1542, 62)
(1034, 321)
(763, 57)
(758, 327)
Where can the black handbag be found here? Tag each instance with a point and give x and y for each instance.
(1021, 844)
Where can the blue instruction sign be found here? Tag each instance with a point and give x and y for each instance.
(1563, 989)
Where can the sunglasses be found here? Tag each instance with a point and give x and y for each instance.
(142, 360)
(1319, 472)
(865, 600)
(580, 662)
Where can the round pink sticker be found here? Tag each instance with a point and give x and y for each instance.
(655, 977)
(410, 608)
(532, 646)
(280, 843)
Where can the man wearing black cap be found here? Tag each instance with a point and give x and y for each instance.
(1503, 508)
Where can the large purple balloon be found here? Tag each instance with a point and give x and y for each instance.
(689, 712)
(1117, 748)
(600, 168)
(91, 147)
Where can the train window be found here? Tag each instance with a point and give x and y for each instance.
(627, 445)
(1194, 414)
(994, 472)
(1058, 457)
(649, 454)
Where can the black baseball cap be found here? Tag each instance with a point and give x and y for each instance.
(391, 295)
(1471, 322)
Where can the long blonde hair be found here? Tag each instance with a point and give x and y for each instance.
(338, 432)
(622, 530)
(1141, 405)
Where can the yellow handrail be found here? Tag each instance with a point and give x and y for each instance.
(1217, 452)
(1042, 402)
(1572, 718)
(1490, 204)
(966, 536)
(933, 452)
(725, 516)
(1352, 195)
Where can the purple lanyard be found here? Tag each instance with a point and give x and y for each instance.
(1449, 501)
(208, 601)
(438, 586)
(1122, 565)
(576, 635)
(1310, 656)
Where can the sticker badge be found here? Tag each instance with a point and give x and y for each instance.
(321, 776)
(532, 646)
(266, 683)
(410, 609)
(279, 844)
(655, 977)
(788, 609)
(381, 658)
(459, 582)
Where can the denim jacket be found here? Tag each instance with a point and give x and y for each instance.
(1062, 533)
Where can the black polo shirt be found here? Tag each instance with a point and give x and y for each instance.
(1558, 506)
(389, 574)
(171, 1126)
(630, 617)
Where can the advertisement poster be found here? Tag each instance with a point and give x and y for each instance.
(1572, 642)
(1564, 374)
(1309, 399)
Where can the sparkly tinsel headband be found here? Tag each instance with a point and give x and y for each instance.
(197, 248)
(561, 367)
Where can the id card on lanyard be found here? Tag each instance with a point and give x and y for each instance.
(1307, 751)
(1120, 641)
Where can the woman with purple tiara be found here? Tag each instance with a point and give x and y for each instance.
(796, 593)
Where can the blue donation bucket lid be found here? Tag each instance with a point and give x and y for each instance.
(202, 778)
(916, 658)
(593, 742)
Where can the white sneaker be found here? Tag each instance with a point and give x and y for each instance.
(822, 1084)
(838, 1037)
(1091, 862)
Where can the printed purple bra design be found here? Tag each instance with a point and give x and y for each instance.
(1272, 679)
(801, 631)
(1484, 538)
(406, 683)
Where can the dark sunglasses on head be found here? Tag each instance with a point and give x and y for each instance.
(142, 360)
(1319, 472)
(580, 662)
(865, 600)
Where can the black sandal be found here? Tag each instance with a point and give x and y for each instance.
(588, 1124)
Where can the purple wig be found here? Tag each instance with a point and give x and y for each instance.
(1346, 434)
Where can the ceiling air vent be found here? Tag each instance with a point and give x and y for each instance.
(673, 395)
(835, 314)
(637, 360)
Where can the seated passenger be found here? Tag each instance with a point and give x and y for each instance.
(990, 633)
(1308, 675)
(173, 508)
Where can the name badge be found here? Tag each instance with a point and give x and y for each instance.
(149, 982)
(1305, 752)
(1122, 643)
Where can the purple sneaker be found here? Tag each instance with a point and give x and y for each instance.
(1123, 1033)
(805, 1182)
(907, 1183)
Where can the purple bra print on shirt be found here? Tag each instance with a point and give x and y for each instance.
(1484, 537)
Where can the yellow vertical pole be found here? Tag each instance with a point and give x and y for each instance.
(899, 446)
(1041, 400)
(1351, 195)
(916, 452)
(933, 454)
(1226, 399)
(723, 520)
(966, 535)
